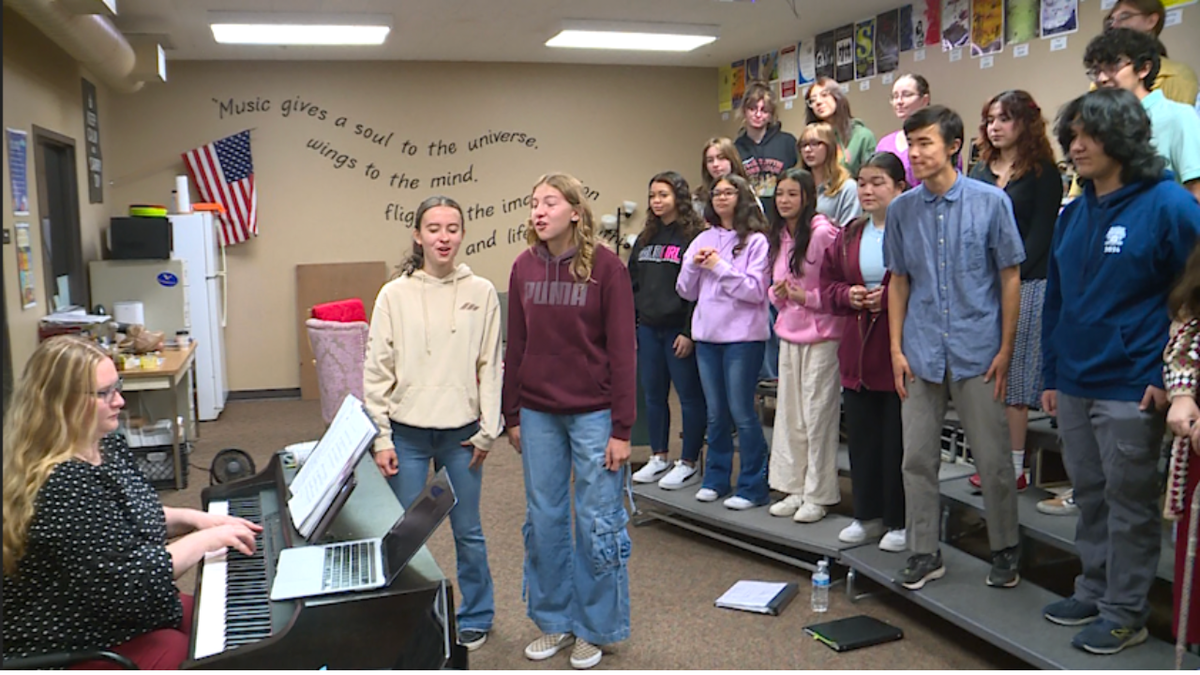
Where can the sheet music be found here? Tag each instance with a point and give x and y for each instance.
(329, 464)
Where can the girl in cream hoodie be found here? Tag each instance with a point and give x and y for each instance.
(432, 384)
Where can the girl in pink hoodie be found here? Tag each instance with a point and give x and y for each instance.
(805, 442)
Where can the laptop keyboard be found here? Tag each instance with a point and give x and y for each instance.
(349, 565)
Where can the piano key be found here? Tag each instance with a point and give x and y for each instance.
(210, 614)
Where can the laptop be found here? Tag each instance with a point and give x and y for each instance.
(346, 566)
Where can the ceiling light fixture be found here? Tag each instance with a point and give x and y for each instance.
(278, 28)
(659, 37)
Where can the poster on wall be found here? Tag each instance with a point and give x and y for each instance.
(864, 49)
(25, 266)
(739, 83)
(906, 28)
(18, 146)
(887, 41)
(91, 134)
(788, 72)
(1021, 20)
(932, 11)
(987, 27)
(825, 47)
(1171, 4)
(724, 89)
(844, 43)
(956, 24)
(1059, 17)
(752, 69)
(768, 66)
(806, 62)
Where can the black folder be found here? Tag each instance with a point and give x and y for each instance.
(854, 632)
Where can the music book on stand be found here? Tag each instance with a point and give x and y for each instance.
(760, 597)
(853, 632)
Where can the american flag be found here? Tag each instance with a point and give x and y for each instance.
(224, 173)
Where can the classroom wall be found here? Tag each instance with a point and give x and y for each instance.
(1053, 78)
(42, 87)
(330, 191)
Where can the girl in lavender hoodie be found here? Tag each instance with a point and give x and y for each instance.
(725, 272)
(804, 460)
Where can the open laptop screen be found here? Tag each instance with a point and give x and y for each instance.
(418, 523)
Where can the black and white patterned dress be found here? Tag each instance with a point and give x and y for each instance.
(96, 572)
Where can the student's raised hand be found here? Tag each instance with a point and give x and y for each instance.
(387, 462)
(903, 374)
(616, 453)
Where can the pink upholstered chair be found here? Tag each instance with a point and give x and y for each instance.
(340, 352)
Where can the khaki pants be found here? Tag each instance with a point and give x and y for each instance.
(805, 441)
(983, 420)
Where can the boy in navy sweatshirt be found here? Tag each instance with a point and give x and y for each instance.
(1117, 251)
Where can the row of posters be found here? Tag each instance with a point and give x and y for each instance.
(872, 47)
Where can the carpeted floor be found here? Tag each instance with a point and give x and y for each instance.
(674, 578)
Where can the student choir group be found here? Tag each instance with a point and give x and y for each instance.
(870, 278)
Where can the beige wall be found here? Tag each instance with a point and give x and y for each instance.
(1053, 78)
(42, 87)
(611, 127)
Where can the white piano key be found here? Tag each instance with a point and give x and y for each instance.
(210, 617)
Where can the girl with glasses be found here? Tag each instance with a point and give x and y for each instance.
(87, 563)
(725, 272)
(910, 92)
(837, 196)
(766, 149)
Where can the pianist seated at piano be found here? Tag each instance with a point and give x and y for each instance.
(89, 563)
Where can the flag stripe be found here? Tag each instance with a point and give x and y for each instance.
(223, 172)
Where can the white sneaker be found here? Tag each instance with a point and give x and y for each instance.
(738, 503)
(707, 495)
(894, 541)
(809, 513)
(787, 506)
(679, 476)
(585, 655)
(547, 645)
(857, 532)
(653, 470)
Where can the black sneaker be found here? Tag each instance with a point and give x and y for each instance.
(1004, 568)
(921, 568)
(472, 639)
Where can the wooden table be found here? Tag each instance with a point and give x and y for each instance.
(178, 367)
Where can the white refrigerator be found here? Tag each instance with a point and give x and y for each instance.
(187, 292)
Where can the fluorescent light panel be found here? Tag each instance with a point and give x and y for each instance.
(267, 28)
(633, 36)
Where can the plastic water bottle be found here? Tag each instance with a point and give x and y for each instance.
(820, 587)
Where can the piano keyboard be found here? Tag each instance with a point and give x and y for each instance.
(233, 606)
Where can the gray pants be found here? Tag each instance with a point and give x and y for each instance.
(1111, 452)
(982, 416)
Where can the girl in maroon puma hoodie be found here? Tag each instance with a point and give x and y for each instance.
(854, 284)
(569, 404)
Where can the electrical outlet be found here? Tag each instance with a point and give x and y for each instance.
(7, 238)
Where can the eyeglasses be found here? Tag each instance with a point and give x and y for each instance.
(1110, 71)
(109, 394)
(805, 145)
(904, 95)
(724, 194)
(1120, 18)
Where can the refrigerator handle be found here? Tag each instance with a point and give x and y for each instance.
(224, 288)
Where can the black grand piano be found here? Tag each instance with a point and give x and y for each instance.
(407, 625)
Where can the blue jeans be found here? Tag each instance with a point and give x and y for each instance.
(729, 373)
(658, 368)
(582, 589)
(770, 366)
(415, 447)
